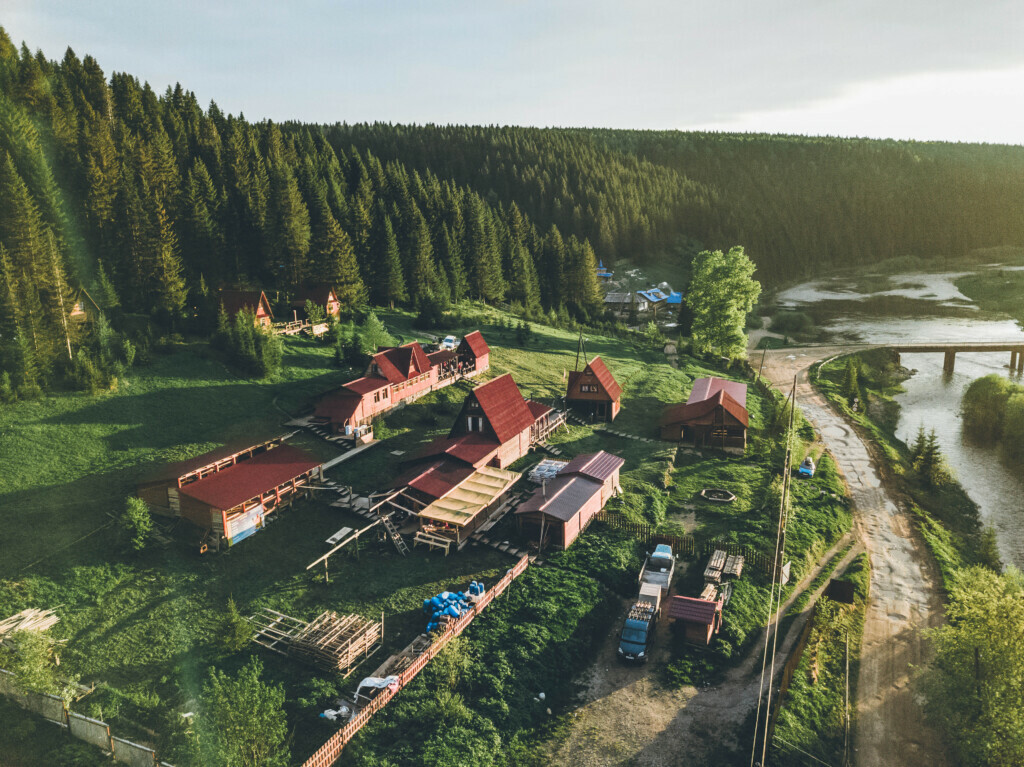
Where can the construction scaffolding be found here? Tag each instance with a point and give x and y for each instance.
(330, 641)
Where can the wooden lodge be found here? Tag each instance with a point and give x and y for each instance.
(397, 374)
(700, 618)
(594, 391)
(496, 426)
(228, 493)
(715, 415)
(560, 510)
(83, 308)
(254, 301)
(319, 295)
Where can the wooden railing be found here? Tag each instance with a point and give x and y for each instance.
(329, 752)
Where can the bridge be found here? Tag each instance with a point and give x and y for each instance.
(951, 349)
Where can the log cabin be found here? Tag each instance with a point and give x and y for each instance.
(594, 391)
(715, 415)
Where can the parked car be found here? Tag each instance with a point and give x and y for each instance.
(806, 468)
(637, 633)
(659, 568)
(449, 342)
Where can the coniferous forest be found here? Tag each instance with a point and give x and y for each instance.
(151, 202)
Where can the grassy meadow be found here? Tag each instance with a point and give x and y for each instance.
(146, 628)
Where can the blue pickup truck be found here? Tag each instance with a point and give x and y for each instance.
(638, 633)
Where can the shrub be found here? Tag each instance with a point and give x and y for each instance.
(136, 523)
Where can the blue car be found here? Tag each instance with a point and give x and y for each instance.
(806, 468)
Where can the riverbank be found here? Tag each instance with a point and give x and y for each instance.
(947, 518)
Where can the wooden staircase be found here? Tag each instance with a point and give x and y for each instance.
(396, 537)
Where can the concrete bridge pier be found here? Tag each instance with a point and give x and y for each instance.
(949, 362)
(1013, 361)
(1020, 361)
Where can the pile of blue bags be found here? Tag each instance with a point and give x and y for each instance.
(450, 604)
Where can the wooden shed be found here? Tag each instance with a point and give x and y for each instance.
(700, 618)
(320, 295)
(460, 511)
(714, 415)
(560, 510)
(595, 391)
(474, 354)
(254, 301)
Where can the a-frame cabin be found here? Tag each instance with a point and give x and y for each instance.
(593, 391)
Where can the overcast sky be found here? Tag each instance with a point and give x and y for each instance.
(925, 69)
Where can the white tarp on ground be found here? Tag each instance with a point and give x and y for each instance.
(377, 683)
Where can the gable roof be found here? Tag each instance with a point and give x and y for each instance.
(365, 385)
(617, 298)
(653, 295)
(437, 478)
(246, 480)
(320, 295)
(561, 498)
(475, 343)
(172, 471)
(599, 466)
(236, 300)
(706, 388)
(504, 407)
(337, 406)
(400, 363)
(691, 411)
(603, 375)
(693, 610)
(472, 448)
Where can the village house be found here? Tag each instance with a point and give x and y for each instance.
(560, 510)
(397, 374)
(714, 415)
(319, 295)
(594, 391)
(254, 301)
(229, 492)
(83, 308)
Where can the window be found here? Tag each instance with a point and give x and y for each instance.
(585, 388)
(476, 423)
(385, 395)
(376, 396)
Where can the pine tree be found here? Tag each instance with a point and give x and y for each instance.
(851, 385)
(170, 293)
(289, 227)
(334, 262)
(103, 290)
(427, 279)
(482, 256)
(451, 261)
(389, 283)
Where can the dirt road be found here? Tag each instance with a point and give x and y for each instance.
(628, 718)
(905, 595)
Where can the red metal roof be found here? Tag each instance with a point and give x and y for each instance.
(400, 363)
(603, 375)
(504, 407)
(692, 411)
(475, 343)
(562, 498)
(246, 480)
(472, 448)
(599, 466)
(706, 388)
(337, 406)
(437, 478)
(236, 300)
(693, 610)
(181, 468)
(537, 409)
(366, 384)
(440, 357)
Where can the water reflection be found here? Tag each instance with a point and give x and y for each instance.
(932, 398)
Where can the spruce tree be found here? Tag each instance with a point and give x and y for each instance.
(389, 283)
(334, 262)
(103, 290)
(170, 293)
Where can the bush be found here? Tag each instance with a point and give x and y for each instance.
(792, 323)
(136, 523)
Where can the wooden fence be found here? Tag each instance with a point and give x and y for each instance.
(328, 753)
(685, 544)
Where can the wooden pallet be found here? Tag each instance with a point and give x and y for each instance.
(330, 641)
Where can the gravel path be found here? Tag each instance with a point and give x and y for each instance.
(905, 595)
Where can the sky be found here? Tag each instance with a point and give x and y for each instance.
(921, 69)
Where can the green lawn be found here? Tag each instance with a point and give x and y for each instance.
(148, 627)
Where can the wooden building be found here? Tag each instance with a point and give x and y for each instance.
(560, 510)
(396, 374)
(473, 354)
(83, 308)
(254, 301)
(594, 391)
(700, 618)
(715, 415)
(468, 505)
(229, 495)
(319, 295)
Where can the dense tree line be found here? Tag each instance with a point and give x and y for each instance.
(152, 202)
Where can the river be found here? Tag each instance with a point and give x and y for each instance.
(928, 307)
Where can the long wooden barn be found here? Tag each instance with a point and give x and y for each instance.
(229, 493)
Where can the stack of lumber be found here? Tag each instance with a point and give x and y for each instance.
(713, 572)
(28, 620)
(733, 566)
(336, 642)
(709, 593)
